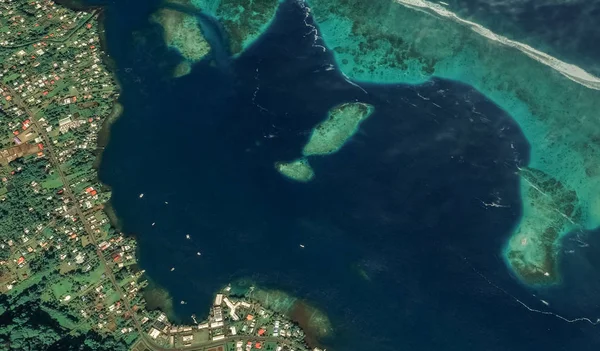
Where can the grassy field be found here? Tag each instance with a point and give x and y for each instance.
(52, 182)
(61, 288)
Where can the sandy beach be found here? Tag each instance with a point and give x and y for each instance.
(570, 71)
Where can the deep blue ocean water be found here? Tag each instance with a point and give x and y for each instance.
(404, 201)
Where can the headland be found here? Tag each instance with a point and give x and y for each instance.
(253, 320)
(313, 322)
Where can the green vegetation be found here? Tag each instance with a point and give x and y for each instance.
(299, 170)
(533, 250)
(243, 20)
(385, 41)
(27, 203)
(182, 32)
(29, 327)
(341, 124)
(311, 319)
(326, 138)
(58, 253)
(68, 278)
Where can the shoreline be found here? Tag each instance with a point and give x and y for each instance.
(312, 320)
(157, 297)
(572, 72)
(552, 110)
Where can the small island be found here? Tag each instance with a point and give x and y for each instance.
(298, 170)
(244, 21)
(326, 138)
(182, 33)
(341, 124)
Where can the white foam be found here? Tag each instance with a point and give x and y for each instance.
(570, 71)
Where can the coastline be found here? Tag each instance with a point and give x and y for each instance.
(551, 101)
(570, 71)
(230, 19)
(157, 297)
(313, 321)
(541, 268)
(104, 134)
(117, 107)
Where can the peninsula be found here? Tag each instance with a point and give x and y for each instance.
(237, 321)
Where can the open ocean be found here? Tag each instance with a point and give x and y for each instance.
(401, 251)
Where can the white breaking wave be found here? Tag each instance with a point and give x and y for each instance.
(570, 71)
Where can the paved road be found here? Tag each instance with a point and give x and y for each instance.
(49, 148)
(60, 40)
(48, 145)
(210, 344)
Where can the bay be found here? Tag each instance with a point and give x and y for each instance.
(402, 249)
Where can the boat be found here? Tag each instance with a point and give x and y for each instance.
(172, 269)
(187, 236)
(302, 246)
(141, 195)
(198, 253)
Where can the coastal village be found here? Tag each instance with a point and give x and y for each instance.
(60, 254)
(235, 323)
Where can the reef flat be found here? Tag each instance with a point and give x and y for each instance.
(182, 32)
(550, 208)
(327, 137)
(553, 102)
(244, 21)
(298, 170)
(570, 71)
(314, 322)
(342, 123)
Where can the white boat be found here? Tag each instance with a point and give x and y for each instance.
(302, 246)
(198, 253)
(172, 269)
(187, 236)
(141, 195)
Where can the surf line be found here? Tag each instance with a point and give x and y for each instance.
(548, 313)
(570, 71)
(312, 28)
